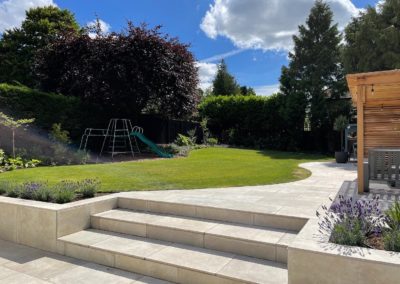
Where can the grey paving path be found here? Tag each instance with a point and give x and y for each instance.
(300, 198)
(22, 264)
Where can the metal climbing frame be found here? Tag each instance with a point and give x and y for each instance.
(116, 138)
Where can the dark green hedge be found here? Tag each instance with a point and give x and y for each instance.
(246, 120)
(46, 108)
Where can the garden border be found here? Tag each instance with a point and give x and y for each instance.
(313, 259)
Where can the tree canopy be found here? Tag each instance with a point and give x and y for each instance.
(136, 70)
(18, 46)
(373, 39)
(314, 79)
(224, 83)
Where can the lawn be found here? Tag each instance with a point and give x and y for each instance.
(210, 167)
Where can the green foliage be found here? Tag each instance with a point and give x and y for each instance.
(44, 193)
(5, 186)
(59, 135)
(10, 163)
(212, 141)
(393, 216)
(391, 240)
(224, 83)
(348, 232)
(88, 187)
(47, 108)
(19, 46)
(247, 91)
(341, 122)
(183, 140)
(13, 124)
(244, 120)
(314, 78)
(373, 39)
(204, 129)
(64, 192)
(12, 190)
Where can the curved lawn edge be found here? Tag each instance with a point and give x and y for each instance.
(204, 168)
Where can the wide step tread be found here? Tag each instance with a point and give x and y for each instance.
(170, 261)
(253, 241)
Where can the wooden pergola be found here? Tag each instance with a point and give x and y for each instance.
(377, 97)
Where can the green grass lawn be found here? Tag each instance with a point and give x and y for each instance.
(210, 167)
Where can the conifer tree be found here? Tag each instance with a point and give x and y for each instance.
(224, 83)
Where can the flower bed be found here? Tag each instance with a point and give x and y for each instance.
(63, 192)
(361, 223)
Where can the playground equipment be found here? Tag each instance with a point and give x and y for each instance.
(138, 133)
(120, 137)
(116, 138)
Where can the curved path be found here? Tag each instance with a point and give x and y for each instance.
(295, 199)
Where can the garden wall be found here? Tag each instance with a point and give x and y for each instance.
(40, 224)
(312, 259)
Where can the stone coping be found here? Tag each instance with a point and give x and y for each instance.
(310, 239)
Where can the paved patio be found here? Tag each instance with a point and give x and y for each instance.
(297, 199)
(22, 264)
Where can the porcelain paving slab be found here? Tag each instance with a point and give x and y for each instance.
(24, 265)
(286, 199)
(259, 271)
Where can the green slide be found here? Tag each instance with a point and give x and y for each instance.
(152, 146)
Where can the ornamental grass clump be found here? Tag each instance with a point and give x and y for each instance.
(350, 222)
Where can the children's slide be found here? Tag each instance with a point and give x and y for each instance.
(151, 145)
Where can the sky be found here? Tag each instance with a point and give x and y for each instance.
(253, 36)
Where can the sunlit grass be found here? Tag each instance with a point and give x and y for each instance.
(210, 167)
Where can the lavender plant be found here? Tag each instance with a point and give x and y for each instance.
(350, 222)
(64, 191)
(28, 190)
(88, 187)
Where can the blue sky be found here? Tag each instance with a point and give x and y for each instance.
(254, 36)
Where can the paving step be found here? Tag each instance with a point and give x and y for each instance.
(219, 213)
(254, 241)
(170, 261)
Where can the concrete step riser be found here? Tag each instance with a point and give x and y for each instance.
(164, 271)
(273, 252)
(212, 213)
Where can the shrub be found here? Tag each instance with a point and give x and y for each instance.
(4, 186)
(64, 192)
(28, 190)
(350, 222)
(88, 187)
(183, 140)
(43, 193)
(348, 232)
(12, 190)
(391, 240)
(393, 216)
(212, 141)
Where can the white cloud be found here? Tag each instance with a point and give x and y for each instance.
(268, 24)
(105, 27)
(207, 73)
(12, 12)
(266, 90)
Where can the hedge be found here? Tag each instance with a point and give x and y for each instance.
(47, 108)
(246, 120)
